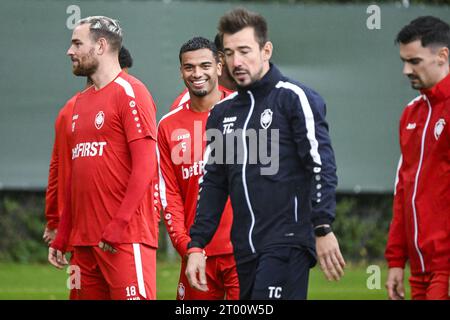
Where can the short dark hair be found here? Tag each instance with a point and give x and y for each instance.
(428, 29)
(240, 18)
(198, 43)
(218, 42)
(104, 27)
(125, 58)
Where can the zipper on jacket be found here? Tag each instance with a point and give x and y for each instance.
(244, 166)
(416, 182)
(295, 208)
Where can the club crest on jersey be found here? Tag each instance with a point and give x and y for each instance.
(181, 291)
(438, 128)
(99, 120)
(266, 118)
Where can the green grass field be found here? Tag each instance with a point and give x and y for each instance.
(43, 282)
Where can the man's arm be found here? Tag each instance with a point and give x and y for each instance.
(142, 172)
(396, 252)
(314, 148)
(213, 191)
(51, 196)
(171, 197)
(137, 113)
(213, 195)
(58, 247)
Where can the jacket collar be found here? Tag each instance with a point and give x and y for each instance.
(440, 91)
(265, 84)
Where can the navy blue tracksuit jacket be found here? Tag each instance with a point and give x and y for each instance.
(278, 206)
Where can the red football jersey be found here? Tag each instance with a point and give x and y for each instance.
(59, 170)
(182, 98)
(181, 148)
(104, 122)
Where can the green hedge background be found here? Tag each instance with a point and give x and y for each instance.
(362, 223)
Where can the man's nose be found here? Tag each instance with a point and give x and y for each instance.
(237, 61)
(197, 72)
(70, 51)
(407, 69)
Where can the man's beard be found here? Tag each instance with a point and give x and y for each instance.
(87, 66)
(199, 93)
(417, 85)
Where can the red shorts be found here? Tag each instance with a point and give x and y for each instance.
(221, 276)
(72, 282)
(430, 286)
(128, 274)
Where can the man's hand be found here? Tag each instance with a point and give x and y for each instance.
(394, 284)
(106, 247)
(196, 265)
(330, 258)
(57, 258)
(49, 235)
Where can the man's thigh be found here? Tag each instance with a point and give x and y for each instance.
(215, 284)
(130, 272)
(438, 288)
(282, 273)
(246, 270)
(92, 283)
(228, 275)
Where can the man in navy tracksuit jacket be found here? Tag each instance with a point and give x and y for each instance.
(277, 204)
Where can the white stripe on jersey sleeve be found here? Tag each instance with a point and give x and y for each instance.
(162, 183)
(414, 100)
(186, 97)
(400, 161)
(309, 118)
(126, 85)
(171, 113)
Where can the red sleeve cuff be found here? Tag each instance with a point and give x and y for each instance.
(194, 250)
(397, 264)
(52, 224)
(60, 243)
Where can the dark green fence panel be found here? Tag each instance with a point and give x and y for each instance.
(327, 47)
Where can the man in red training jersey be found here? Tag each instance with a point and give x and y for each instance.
(420, 228)
(59, 168)
(226, 81)
(181, 146)
(108, 217)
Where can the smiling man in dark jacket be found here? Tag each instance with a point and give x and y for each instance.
(279, 200)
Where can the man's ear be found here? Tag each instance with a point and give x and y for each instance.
(443, 54)
(219, 67)
(267, 51)
(102, 45)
